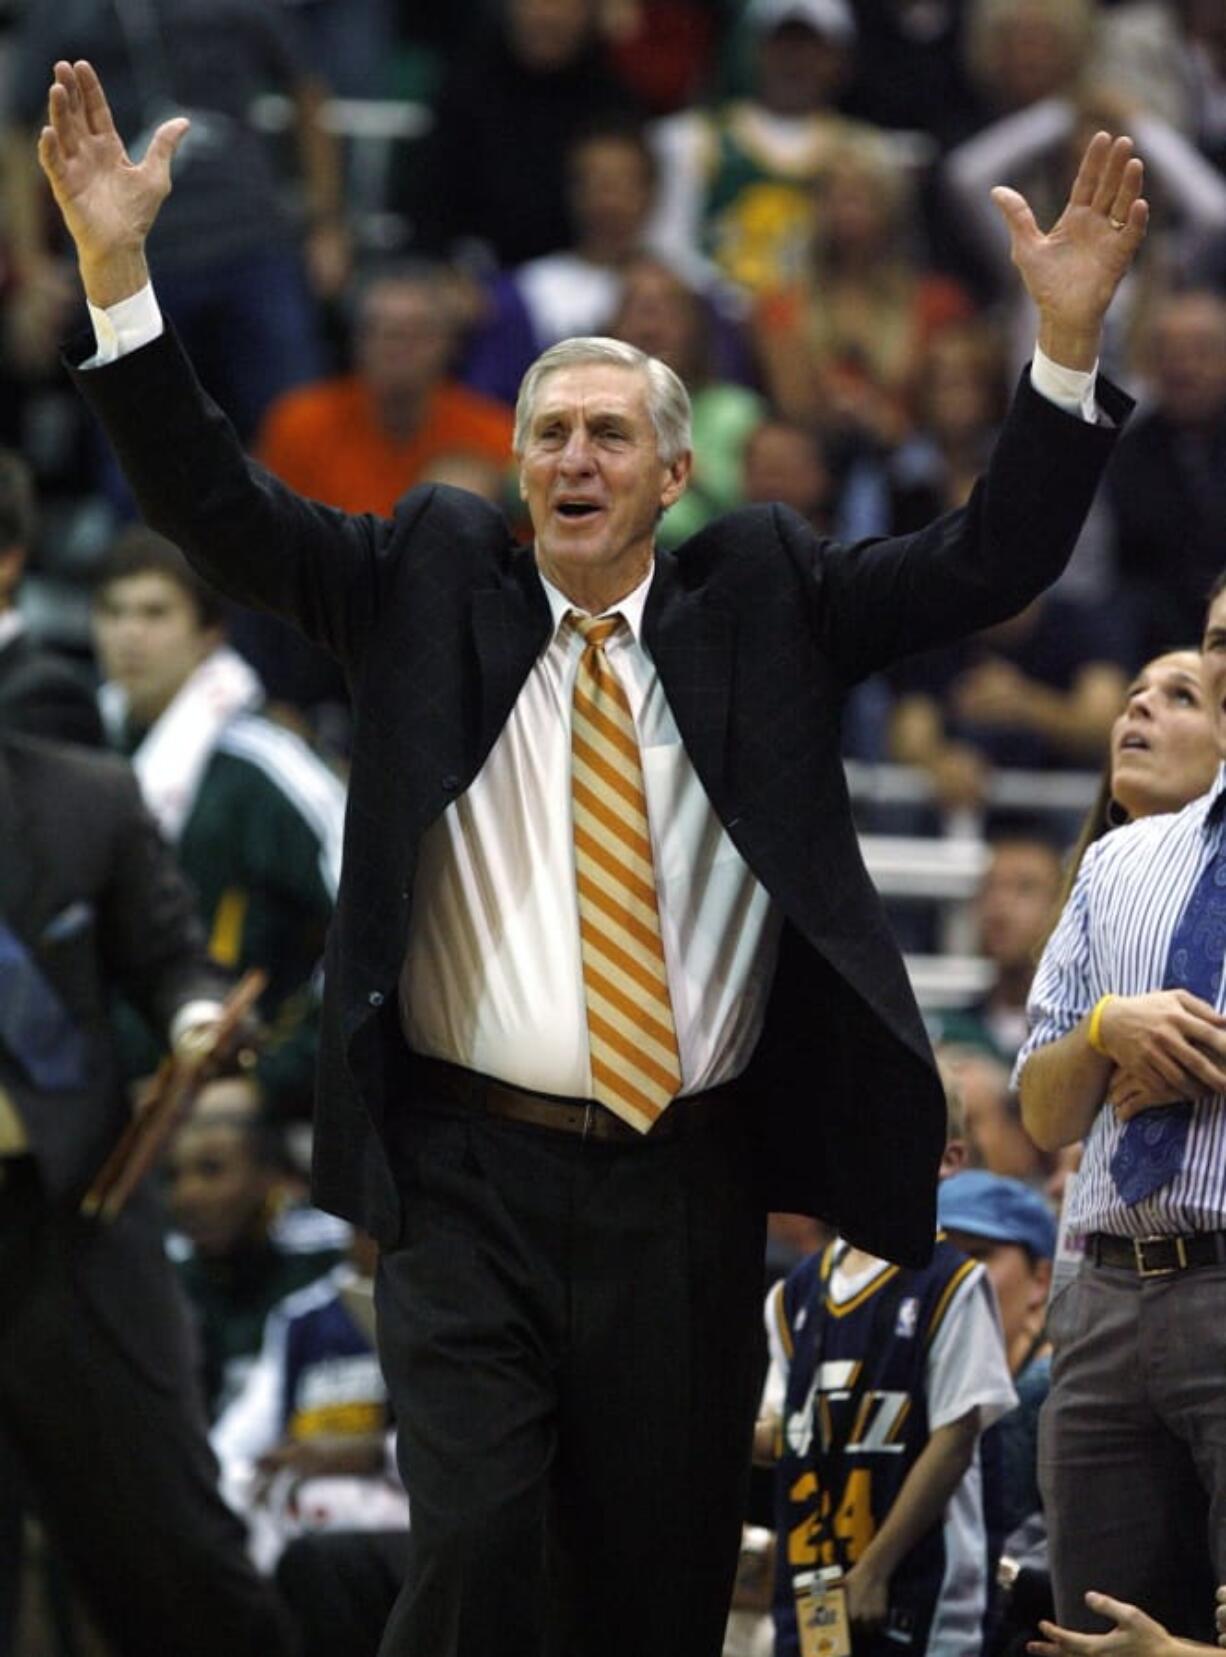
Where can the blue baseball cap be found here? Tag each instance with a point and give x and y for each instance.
(999, 1209)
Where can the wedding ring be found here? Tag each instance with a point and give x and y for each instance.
(1117, 224)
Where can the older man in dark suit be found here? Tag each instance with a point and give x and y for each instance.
(99, 1400)
(607, 977)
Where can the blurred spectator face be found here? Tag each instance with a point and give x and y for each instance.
(960, 386)
(784, 463)
(1015, 902)
(1164, 749)
(1025, 50)
(217, 1188)
(404, 339)
(799, 69)
(548, 34)
(660, 315)
(1188, 353)
(1021, 1283)
(858, 205)
(150, 640)
(1205, 23)
(995, 1137)
(610, 191)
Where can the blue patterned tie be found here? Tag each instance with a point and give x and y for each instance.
(35, 1027)
(1152, 1146)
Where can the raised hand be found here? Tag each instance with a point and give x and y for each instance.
(109, 202)
(1072, 272)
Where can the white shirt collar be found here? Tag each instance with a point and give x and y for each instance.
(629, 608)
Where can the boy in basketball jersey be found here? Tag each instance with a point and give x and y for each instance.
(886, 1382)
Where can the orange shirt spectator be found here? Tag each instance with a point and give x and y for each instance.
(327, 441)
(360, 440)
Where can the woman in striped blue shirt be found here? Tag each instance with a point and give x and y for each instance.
(1124, 1028)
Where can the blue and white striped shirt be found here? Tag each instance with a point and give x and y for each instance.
(1114, 936)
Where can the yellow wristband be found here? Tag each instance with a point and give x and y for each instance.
(1094, 1032)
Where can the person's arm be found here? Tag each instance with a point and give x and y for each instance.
(917, 736)
(925, 1493)
(1076, 721)
(1134, 1635)
(1169, 1042)
(248, 535)
(319, 156)
(44, 289)
(880, 601)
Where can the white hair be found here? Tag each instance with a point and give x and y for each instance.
(668, 402)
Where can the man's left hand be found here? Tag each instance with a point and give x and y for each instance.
(1073, 270)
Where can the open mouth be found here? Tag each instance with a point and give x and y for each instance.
(1133, 742)
(577, 509)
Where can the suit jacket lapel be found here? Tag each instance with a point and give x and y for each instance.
(510, 627)
(691, 640)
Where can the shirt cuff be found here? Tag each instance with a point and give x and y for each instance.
(1071, 389)
(125, 327)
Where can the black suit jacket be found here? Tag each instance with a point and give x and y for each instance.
(40, 695)
(757, 627)
(99, 902)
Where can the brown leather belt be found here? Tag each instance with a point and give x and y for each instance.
(451, 1084)
(1155, 1256)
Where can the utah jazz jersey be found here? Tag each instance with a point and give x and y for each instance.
(856, 1416)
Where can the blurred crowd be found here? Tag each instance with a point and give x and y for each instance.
(382, 213)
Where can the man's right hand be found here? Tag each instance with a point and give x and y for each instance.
(108, 202)
(1170, 1042)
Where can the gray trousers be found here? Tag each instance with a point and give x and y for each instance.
(1132, 1445)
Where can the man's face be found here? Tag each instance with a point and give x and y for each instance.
(782, 464)
(150, 640)
(403, 340)
(1015, 901)
(799, 70)
(657, 313)
(610, 190)
(593, 479)
(216, 1189)
(548, 34)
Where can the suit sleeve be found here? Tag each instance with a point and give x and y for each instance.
(247, 534)
(875, 602)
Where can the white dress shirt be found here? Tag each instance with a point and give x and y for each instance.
(493, 977)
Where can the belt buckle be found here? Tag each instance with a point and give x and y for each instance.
(1138, 1255)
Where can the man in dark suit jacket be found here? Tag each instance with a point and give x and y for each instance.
(39, 693)
(99, 1401)
(569, 1307)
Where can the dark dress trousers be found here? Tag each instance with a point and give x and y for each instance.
(99, 1406)
(757, 627)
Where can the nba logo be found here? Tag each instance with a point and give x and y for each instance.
(908, 1317)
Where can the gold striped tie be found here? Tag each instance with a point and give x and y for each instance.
(631, 1036)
